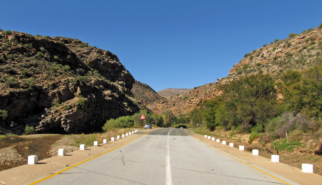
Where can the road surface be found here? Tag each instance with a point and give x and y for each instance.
(165, 157)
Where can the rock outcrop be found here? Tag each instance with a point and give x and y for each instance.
(60, 85)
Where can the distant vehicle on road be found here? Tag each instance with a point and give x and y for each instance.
(148, 125)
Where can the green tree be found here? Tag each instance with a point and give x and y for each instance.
(169, 118)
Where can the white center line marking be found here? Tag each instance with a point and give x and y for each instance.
(168, 177)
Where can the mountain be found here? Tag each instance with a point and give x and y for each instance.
(167, 93)
(144, 93)
(60, 85)
(298, 52)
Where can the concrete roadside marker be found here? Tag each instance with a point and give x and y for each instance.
(231, 144)
(132, 132)
(126, 134)
(209, 137)
(61, 152)
(123, 136)
(275, 158)
(307, 168)
(104, 140)
(112, 138)
(117, 137)
(255, 152)
(95, 143)
(129, 133)
(241, 147)
(205, 135)
(223, 142)
(32, 159)
(213, 138)
(82, 146)
(217, 140)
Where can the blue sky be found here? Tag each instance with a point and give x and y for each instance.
(167, 43)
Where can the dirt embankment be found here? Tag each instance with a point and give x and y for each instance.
(305, 152)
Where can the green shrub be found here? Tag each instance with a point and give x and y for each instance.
(291, 35)
(56, 58)
(66, 107)
(7, 32)
(3, 114)
(55, 102)
(66, 68)
(284, 145)
(82, 45)
(253, 136)
(81, 101)
(276, 40)
(25, 73)
(239, 71)
(29, 129)
(12, 82)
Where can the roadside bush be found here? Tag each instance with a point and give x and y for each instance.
(29, 129)
(284, 145)
(66, 107)
(253, 136)
(55, 102)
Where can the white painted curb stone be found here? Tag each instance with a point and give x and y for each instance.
(307, 168)
(82, 146)
(104, 140)
(32, 159)
(255, 152)
(213, 138)
(275, 158)
(129, 133)
(231, 144)
(95, 143)
(218, 140)
(241, 148)
(112, 138)
(126, 134)
(223, 142)
(209, 137)
(117, 137)
(122, 135)
(61, 152)
(205, 135)
(132, 132)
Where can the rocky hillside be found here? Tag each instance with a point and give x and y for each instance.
(167, 93)
(60, 85)
(144, 93)
(298, 52)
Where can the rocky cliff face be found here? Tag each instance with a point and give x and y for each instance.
(167, 93)
(144, 93)
(298, 52)
(60, 85)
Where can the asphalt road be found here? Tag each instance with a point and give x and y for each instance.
(165, 156)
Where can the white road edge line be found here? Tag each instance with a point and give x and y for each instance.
(168, 177)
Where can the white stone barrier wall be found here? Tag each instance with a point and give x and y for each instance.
(117, 137)
(205, 135)
(129, 133)
(213, 138)
(242, 148)
(95, 143)
(223, 142)
(123, 136)
(231, 144)
(126, 134)
(217, 140)
(307, 168)
(104, 140)
(82, 147)
(255, 152)
(275, 158)
(32, 159)
(112, 138)
(209, 137)
(61, 152)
